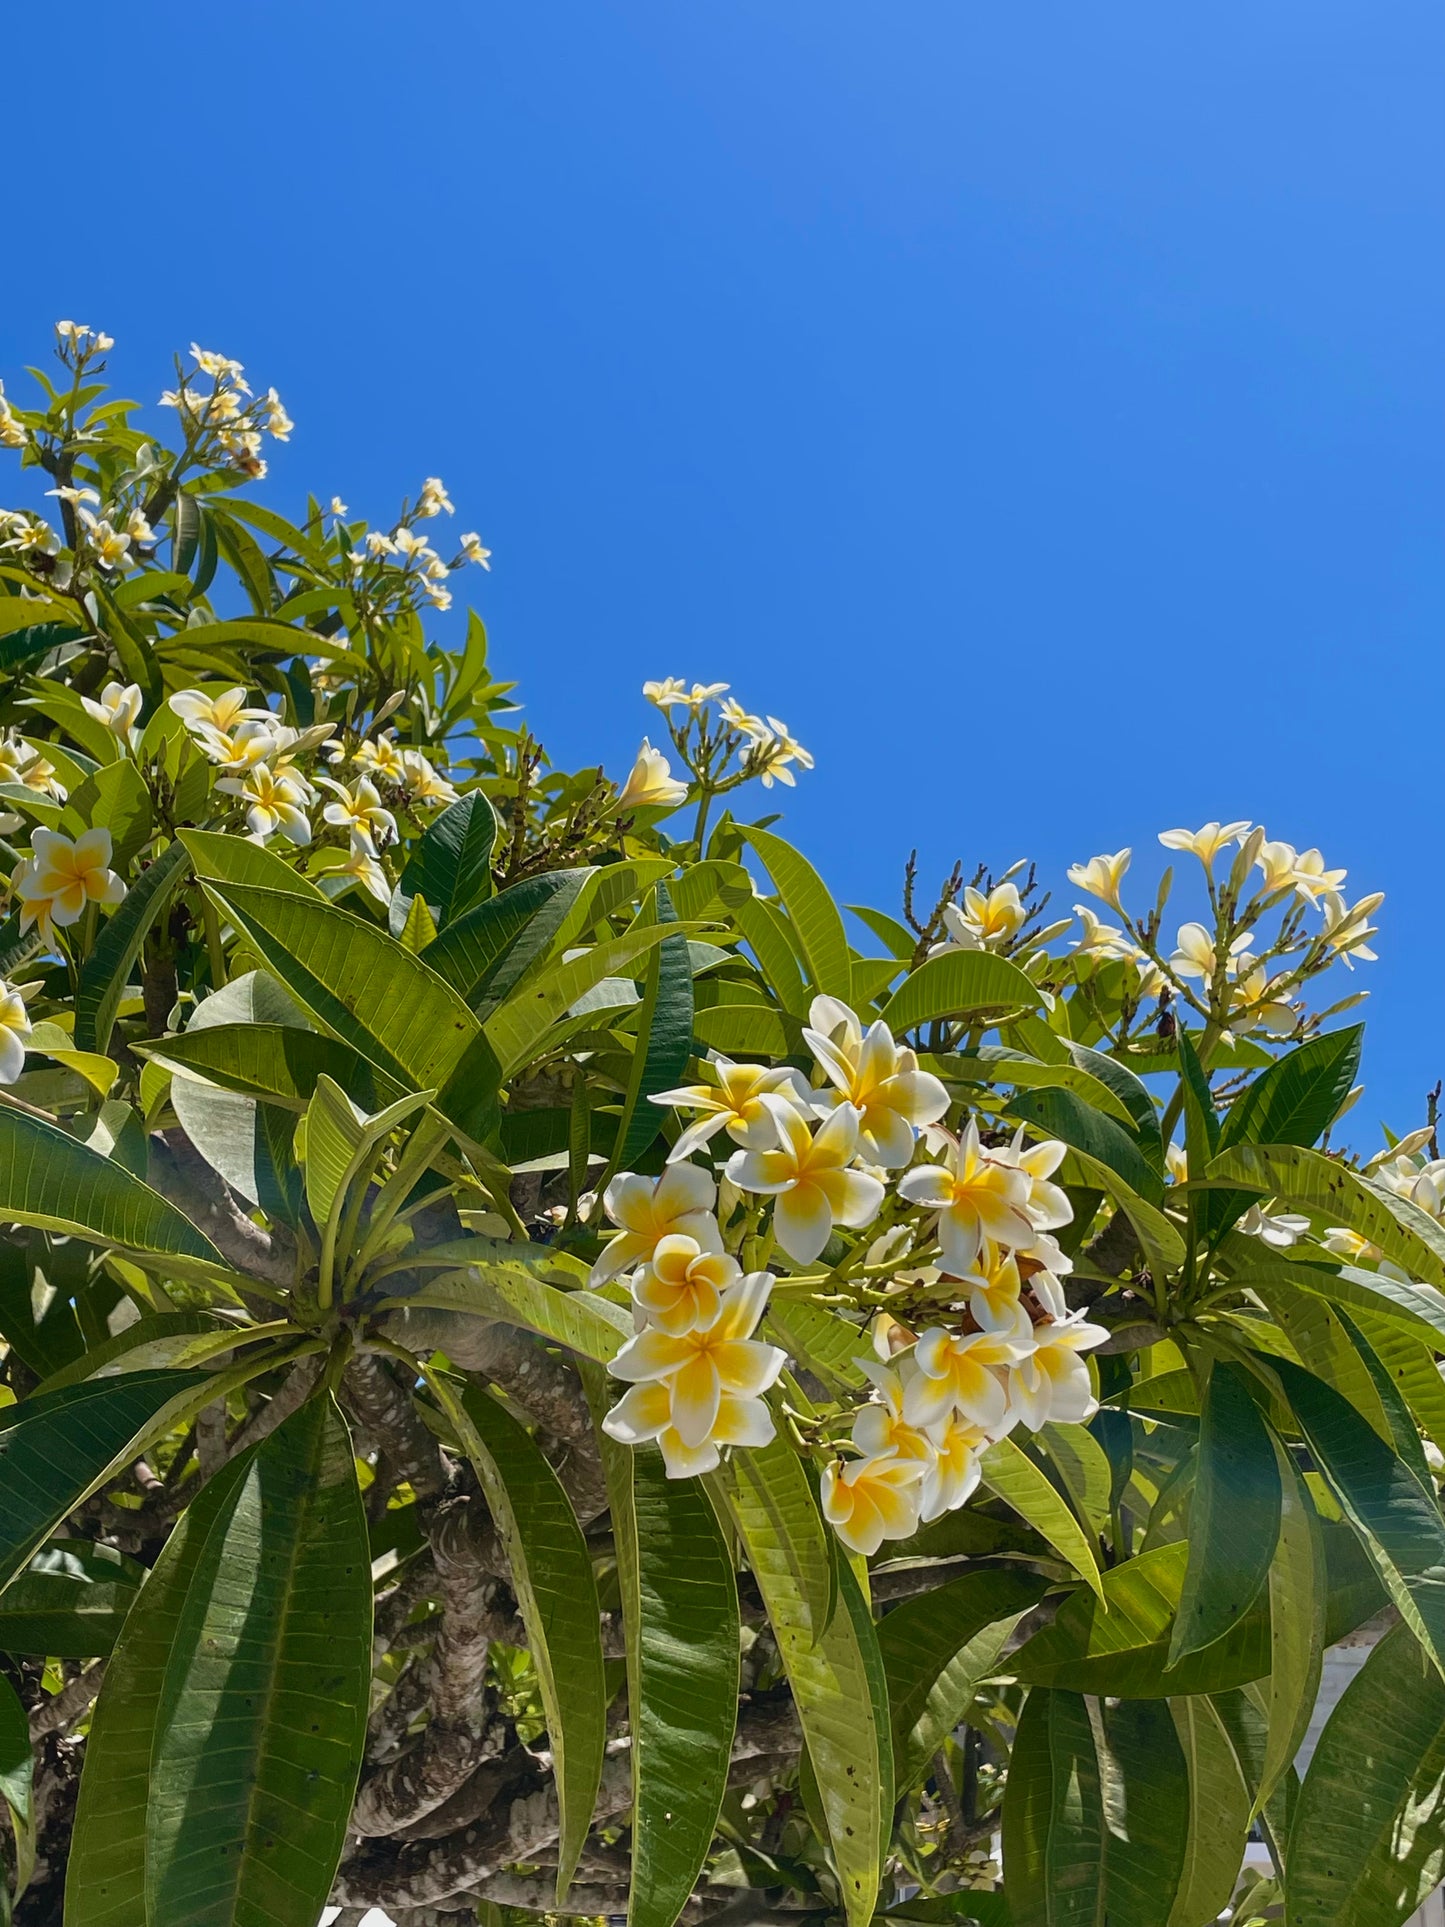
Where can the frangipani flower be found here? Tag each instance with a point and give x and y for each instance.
(869, 1500)
(1347, 930)
(1206, 843)
(983, 922)
(221, 711)
(953, 1466)
(880, 1430)
(810, 1178)
(363, 867)
(777, 747)
(735, 1105)
(15, 1028)
(1101, 876)
(273, 803)
(1277, 862)
(62, 877)
(879, 1078)
(1052, 1381)
(111, 547)
(679, 1203)
(1048, 1205)
(434, 498)
(995, 1290)
(1195, 955)
(241, 749)
(422, 780)
(965, 1373)
(118, 708)
(977, 1196)
(680, 1288)
(22, 763)
(651, 783)
(646, 1413)
(1312, 880)
(672, 693)
(380, 756)
(1278, 1228)
(358, 809)
(1101, 939)
(474, 552)
(701, 1367)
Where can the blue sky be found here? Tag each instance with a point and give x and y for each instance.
(1039, 408)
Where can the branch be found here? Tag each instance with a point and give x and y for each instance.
(180, 1173)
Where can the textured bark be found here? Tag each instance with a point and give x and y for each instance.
(180, 1173)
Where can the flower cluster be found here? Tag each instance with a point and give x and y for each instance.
(62, 878)
(1231, 971)
(223, 422)
(971, 1240)
(398, 567)
(722, 747)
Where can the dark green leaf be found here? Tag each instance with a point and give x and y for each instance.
(69, 1602)
(936, 1649)
(1053, 1816)
(106, 971)
(966, 984)
(664, 1041)
(815, 917)
(1298, 1098)
(486, 951)
(1234, 1518)
(1146, 1812)
(450, 865)
(552, 1577)
(1060, 1113)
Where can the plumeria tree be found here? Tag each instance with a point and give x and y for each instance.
(546, 1366)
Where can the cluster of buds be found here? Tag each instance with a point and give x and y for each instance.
(971, 1236)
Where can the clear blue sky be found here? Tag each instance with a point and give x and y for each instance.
(1040, 408)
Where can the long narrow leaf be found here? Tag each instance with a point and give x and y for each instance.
(107, 969)
(48, 1179)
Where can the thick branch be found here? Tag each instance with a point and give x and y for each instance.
(180, 1173)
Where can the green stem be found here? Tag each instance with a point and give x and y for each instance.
(214, 948)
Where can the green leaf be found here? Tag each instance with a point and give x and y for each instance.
(1060, 1113)
(1397, 1520)
(815, 917)
(357, 981)
(115, 798)
(17, 1789)
(227, 1740)
(1124, 1652)
(936, 1650)
(47, 1179)
(510, 1288)
(1000, 1065)
(277, 1062)
(1297, 1099)
(220, 859)
(1298, 1592)
(69, 1602)
(1413, 1308)
(486, 951)
(1146, 1811)
(1368, 1840)
(1218, 1814)
(450, 865)
(1234, 1518)
(1314, 1183)
(747, 1030)
(1013, 1476)
(664, 1041)
(20, 612)
(1128, 1093)
(831, 1660)
(1053, 1816)
(341, 1142)
(969, 984)
(517, 1028)
(552, 1578)
(680, 1611)
(106, 971)
(823, 1340)
(58, 1447)
(773, 941)
(1082, 1466)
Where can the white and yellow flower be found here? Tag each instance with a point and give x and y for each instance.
(427, 788)
(680, 1288)
(1047, 1205)
(381, 756)
(1205, 843)
(239, 749)
(359, 810)
(1277, 865)
(1312, 880)
(15, 1028)
(869, 1500)
(1052, 1381)
(734, 1104)
(965, 1373)
(221, 711)
(713, 1378)
(58, 881)
(474, 552)
(775, 750)
(434, 498)
(362, 867)
(878, 1077)
(274, 803)
(880, 1430)
(1278, 1228)
(982, 922)
(809, 1177)
(650, 783)
(978, 1196)
(1196, 955)
(1101, 876)
(954, 1469)
(647, 1210)
(117, 709)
